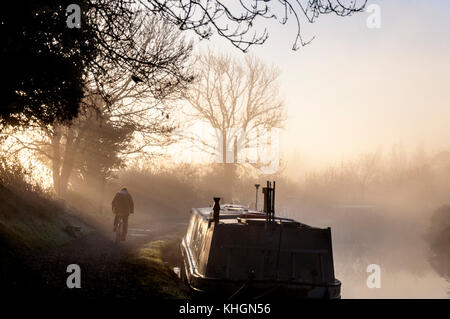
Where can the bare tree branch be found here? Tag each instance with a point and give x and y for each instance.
(235, 22)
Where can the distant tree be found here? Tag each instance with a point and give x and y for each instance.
(231, 95)
(238, 99)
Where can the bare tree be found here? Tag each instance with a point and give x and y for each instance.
(237, 99)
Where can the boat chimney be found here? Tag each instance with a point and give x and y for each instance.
(216, 209)
(269, 202)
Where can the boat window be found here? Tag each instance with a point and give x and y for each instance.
(192, 225)
(198, 237)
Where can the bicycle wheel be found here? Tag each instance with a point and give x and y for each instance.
(119, 230)
(123, 232)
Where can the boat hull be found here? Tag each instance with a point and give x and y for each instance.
(223, 287)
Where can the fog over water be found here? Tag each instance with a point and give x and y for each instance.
(363, 236)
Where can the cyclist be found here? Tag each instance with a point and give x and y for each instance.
(122, 206)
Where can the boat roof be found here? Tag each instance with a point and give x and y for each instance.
(234, 214)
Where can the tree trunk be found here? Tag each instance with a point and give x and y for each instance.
(56, 162)
(224, 146)
(67, 163)
(63, 164)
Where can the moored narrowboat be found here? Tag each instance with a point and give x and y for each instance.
(232, 251)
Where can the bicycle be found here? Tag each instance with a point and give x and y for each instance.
(120, 230)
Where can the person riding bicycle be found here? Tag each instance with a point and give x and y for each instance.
(122, 207)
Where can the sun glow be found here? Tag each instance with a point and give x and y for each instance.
(36, 170)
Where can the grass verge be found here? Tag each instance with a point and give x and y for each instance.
(153, 276)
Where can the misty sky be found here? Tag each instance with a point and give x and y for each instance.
(356, 90)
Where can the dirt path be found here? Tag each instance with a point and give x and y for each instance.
(100, 261)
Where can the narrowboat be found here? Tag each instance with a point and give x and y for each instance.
(232, 251)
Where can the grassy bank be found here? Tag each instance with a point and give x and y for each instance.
(149, 271)
(30, 221)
